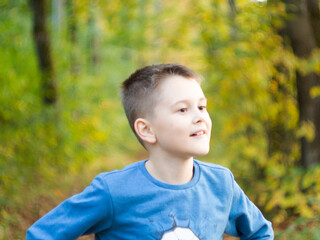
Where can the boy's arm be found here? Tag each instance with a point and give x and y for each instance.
(246, 220)
(88, 212)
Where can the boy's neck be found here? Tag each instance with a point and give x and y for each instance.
(169, 170)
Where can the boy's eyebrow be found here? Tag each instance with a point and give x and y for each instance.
(187, 100)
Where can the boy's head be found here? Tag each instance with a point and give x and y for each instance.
(139, 91)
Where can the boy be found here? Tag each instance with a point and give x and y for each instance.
(170, 195)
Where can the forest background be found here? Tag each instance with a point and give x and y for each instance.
(61, 121)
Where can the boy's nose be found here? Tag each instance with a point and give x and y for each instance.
(198, 117)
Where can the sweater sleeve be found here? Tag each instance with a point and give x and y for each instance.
(85, 213)
(245, 219)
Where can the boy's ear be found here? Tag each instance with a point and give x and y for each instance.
(144, 130)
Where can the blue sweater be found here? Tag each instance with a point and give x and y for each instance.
(131, 204)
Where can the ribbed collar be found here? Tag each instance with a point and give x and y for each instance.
(191, 183)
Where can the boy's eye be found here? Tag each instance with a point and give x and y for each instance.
(183, 110)
(202, 108)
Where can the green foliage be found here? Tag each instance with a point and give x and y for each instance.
(301, 229)
(250, 85)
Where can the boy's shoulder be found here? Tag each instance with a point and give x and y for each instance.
(215, 171)
(213, 167)
(130, 175)
(126, 170)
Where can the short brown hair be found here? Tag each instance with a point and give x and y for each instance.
(138, 90)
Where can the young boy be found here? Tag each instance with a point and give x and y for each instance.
(170, 195)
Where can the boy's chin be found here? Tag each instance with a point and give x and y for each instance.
(202, 153)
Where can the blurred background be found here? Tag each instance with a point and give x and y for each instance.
(61, 120)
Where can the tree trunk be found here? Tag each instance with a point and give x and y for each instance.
(72, 37)
(314, 17)
(42, 43)
(302, 34)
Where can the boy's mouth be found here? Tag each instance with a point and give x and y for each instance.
(198, 133)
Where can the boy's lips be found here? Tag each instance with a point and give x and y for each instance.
(198, 133)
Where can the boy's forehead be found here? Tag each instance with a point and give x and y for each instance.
(179, 88)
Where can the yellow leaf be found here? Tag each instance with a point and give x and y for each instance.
(307, 130)
(315, 92)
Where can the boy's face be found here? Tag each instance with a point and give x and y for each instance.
(181, 123)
